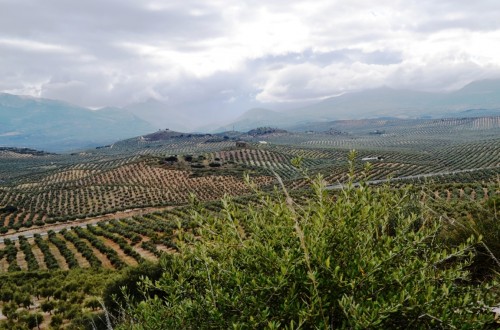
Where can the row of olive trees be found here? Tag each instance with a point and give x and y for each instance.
(362, 259)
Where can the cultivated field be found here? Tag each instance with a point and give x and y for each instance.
(108, 209)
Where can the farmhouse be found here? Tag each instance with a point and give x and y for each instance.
(241, 144)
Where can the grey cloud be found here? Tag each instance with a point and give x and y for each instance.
(338, 56)
(488, 22)
(109, 17)
(347, 45)
(96, 26)
(481, 15)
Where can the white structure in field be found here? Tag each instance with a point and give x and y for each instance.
(372, 158)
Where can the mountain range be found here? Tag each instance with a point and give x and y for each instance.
(59, 126)
(476, 97)
(56, 126)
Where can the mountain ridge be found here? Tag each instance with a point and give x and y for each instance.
(55, 125)
(387, 102)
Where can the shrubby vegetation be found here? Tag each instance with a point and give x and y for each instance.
(364, 258)
(423, 269)
(479, 220)
(69, 297)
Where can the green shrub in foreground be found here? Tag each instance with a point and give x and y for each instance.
(369, 258)
(479, 219)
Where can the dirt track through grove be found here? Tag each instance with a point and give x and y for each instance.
(57, 227)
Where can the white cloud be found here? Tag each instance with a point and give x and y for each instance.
(112, 52)
(35, 46)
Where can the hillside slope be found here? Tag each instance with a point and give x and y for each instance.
(57, 126)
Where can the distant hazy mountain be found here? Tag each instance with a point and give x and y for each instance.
(483, 94)
(159, 115)
(384, 102)
(390, 102)
(56, 126)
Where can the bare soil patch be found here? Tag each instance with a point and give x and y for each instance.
(104, 260)
(38, 255)
(145, 253)
(166, 249)
(78, 256)
(59, 258)
(126, 258)
(20, 258)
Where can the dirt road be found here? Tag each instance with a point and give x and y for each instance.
(42, 230)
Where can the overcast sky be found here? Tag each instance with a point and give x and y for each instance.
(238, 54)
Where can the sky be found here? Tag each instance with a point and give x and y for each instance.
(223, 57)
